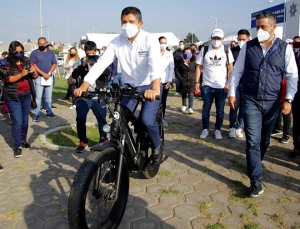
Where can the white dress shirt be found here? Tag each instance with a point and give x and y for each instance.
(140, 61)
(168, 67)
(291, 70)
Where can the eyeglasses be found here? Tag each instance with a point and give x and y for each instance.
(21, 52)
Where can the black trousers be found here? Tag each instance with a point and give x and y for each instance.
(296, 121)
(287, 121)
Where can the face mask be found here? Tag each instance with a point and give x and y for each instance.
(82, 47)
(163, 46)
(19, 55)
(72, 54)
(263, 35)
(241, 43)
(181, 47)
(42, 48)
(129, 30)
(216, 43)
(187, 56)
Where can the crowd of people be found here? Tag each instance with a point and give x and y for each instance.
(258, 77)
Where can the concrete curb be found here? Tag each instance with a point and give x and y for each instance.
(57, 147)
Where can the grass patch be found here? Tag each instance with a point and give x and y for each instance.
(13, 213)
(68, 137)
(165, 173)
(244, 216)
(295, 227)
(252, 226)
(286, 200)
(60, 89)
(165, 192)
(216, 226)
(276, 217)
(204, 206)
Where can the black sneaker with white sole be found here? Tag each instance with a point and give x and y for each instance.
(18, 152)
(276, 132)
(255, 189)
(285, 139)
(25, 145)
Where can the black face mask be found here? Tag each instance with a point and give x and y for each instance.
(42, 48)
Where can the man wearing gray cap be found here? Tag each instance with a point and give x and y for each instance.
(217, 62)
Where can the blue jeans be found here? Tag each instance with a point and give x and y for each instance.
(208, 96)
(191, 99)
(147, 115)
(117, 79)
(39, 90)
(82, 108)
(19, 113)
(259, 119)
(235, 118)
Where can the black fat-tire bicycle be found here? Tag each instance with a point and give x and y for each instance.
(100, 189)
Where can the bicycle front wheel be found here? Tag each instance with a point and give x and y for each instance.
(92, 202)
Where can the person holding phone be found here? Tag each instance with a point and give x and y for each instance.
(18, 92)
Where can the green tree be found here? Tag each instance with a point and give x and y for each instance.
(191, 38)
(56, 51)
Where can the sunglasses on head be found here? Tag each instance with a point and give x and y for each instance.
(16, 52)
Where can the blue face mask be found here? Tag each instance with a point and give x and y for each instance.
(19, 55)
(187, 56)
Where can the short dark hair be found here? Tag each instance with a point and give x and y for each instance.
(132, 10)
(42, 38)
(182, 42)
(162, 37)
(265, 14)
(193, 45)
(83, 41)
(90, 45)
(243, 32)
(296, 37)
(49, 45)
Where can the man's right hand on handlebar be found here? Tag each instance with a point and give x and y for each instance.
(82, 88)
(151, 94)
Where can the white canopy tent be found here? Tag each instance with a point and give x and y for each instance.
(102, 39)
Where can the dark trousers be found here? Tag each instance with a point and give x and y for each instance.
(19, 113)
(287, 120)
(147, 115)
(259, 120)
(296, 121)
(178, 88)
(82, 108)
(210, 94)
(164, 98)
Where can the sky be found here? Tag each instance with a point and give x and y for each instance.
(20, 20)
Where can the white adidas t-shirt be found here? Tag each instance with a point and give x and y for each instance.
(214, 66)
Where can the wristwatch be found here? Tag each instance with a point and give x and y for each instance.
(288, 100)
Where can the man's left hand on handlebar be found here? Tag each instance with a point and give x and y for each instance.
(82, 88)
(151, 94)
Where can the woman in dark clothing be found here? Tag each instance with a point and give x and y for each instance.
(185, 72)
(18, 92)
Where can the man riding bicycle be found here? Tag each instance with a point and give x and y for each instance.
(140, 61)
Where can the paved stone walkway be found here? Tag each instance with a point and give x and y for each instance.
(201, 184)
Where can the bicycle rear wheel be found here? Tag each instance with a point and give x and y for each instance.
(92, 202)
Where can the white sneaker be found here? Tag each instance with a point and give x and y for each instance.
(239, 133)
(232, 133)
(165, 123)
(190, 111)
(204, 134)
(72, 107)
(218, 135)
(183, 108)
(176, 93)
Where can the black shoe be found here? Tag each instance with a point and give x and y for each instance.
(35, 118)
(53, 107)
(66, 98)
(285, 139)
(255, 189)
(295, 153)
(52, 115)
(25, 145)
(276, 132)
(18, 152)
(81, 147)
(157, 156)
(1, 168)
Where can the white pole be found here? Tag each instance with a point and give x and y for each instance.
(41, 18)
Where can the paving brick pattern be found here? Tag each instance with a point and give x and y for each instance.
(202, 182)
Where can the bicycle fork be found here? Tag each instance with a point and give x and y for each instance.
(119, 168)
